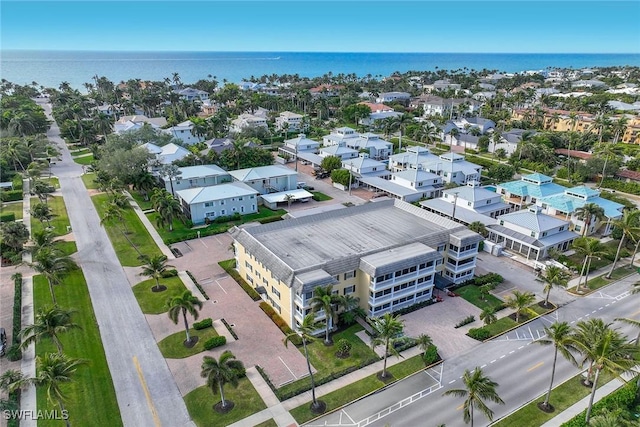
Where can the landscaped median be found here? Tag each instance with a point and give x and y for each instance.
(507, 323)
(59, 222)
(156, 302)
(600, 281)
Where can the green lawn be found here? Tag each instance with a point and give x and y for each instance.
(60, 220)
(67, 248)
(53, 181)
(80, 152)
(201, 400)
(156, 302)
(85, 160)
(268, 423)
(472, 294)
(182, 232)
(91, 397)
(15, 207)
(618, 273)
(144, 204)
(138, 235)
(172, 348)
(323, 357)
(358, 389)
(320, 197)
(506, 323)
(88, 179)
(562, 397)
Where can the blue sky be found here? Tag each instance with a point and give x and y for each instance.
(324, 26)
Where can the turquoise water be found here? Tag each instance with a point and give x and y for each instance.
(50, 68)
(490, 188)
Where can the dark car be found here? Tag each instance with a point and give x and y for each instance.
(3, 341)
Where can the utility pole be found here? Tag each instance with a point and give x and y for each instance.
(350, 176)
(455, 203)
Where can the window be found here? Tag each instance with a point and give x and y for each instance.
(533, 234)
(208, 204)
(240, 198)
(544, 234)
(221, 202)
(349, 290)
(252, 197)
(561, 228)
(349, 274)
(468, 203)
(222, 212)
(441, 248)
(501, 222)
(488, 202)
(275, 292)
(178, 182)
(248, 266)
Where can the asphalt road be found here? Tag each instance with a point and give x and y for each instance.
(520, 367)
(146, 392)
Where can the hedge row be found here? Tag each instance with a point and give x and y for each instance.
(625, 187)
(623, 398)
(479, 334)
(8, 217)
(414, 307)
(203, 324)
(269, 219)
(204, 294)
(214, 342)
(280, 323)
(230, 329)
(465, 321)
(14, 352)
(229, 267)
(11, 195)
(431, 355)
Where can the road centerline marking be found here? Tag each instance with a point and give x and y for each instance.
(536, 366)
(147, 394)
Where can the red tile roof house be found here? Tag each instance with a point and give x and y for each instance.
(582, 155)
(628, 175)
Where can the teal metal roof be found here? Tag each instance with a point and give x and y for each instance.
(568, 204)
(524, 189)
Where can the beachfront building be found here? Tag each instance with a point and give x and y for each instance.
(564, 205)
(389, 254)
(185, 132)
(204, 204)
(196, 176)
(529, 189)
(531, 233)
(467, 204)
(267, 179)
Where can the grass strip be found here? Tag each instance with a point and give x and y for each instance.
(156, 302)
(14, 207)
(138, 235)
(89, 181)
(472, 294)
(200, 404)
(60, 221)
(91, 395)
(172, 347)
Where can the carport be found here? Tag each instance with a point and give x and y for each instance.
(271, 200)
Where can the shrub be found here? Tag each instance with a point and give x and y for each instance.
(17, 316)
(622, 398)
(344, 347)
(14, 353)
(203, 324)
(229, 328)
(269, 219)
(479, 334)
(414, 307)
(229, 267)
(466, 321)
(170, 273)
(488, 278)
(11, 195)
(430, 355)
(195, 282)
(214, 342)
(7, 217)
(625, 187)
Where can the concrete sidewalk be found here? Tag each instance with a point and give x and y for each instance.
(573, 283)
(150, 228)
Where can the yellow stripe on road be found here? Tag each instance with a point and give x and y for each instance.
(156, 419)
(459, 407)
(634, 314)
(535, 366)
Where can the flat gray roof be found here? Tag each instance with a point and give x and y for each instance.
(335, 241)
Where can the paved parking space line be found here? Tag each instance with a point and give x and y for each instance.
(288, 369)
(221, 287)
(203, 243)
(453, 381)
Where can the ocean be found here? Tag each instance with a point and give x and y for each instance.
(50, 68)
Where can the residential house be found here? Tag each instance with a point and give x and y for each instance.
(528, 190)
(365, 166)
(509, 141)
(339, 136)
(203, 204)
(343, 152)
(370, 143)
(378, 112)
(564, 205)
(326, 90)
(218, 145)
(185, 132)
(246, 121)
(166, 154)
(132, 123)
(292, 122)
(531, 233)
(267, 179)
(467, 204)
(192, 94)
(196, 176)
(402, 97)
(355, 252)
(410, 185)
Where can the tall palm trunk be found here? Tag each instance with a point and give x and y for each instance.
(313, 383)
(157, 283)
(386, 351)
(593, 393)
(584, 266)
(603, 168)
(186, 324)
(224, 402)
(553, 373)
(471, 414)
(635, 251)
(53, 294)
(615, 260)
(586, 278)
(62, 412)
(546, 298)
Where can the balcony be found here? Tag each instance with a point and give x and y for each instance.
(378, 286)
(399, 294)
(460, 268)
(462, 255)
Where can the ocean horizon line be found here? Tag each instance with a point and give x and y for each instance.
(318, 52)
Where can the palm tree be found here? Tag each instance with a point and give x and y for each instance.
(305, 331)
(49, 322)
(11, 380)
(588, 247)
(144, 183)
(41, 239)
(401, 123)
(553, 276)
(478, 388)
(181, 304)
(632, 322)
(154, 268)
(629, 225)
(387, 329)
(587, 213)
(167, 207)
(587, 333)
(607, 351)
(558, 334)
(488, 315)
(479, 228)
(54, 370)
(113, 212)
(519, 301)
(219, 372)
(289, 198)
(170, 172)
(42, 212)
(424, 342)
(607, 151)
(53, 266)
(325, 300)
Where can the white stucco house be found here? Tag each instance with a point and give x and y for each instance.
(197, 176)
(166, 154)
(267, 179)
(293, 122)
(184, 132)
(208, 203)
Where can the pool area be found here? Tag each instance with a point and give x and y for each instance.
(490, 188)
